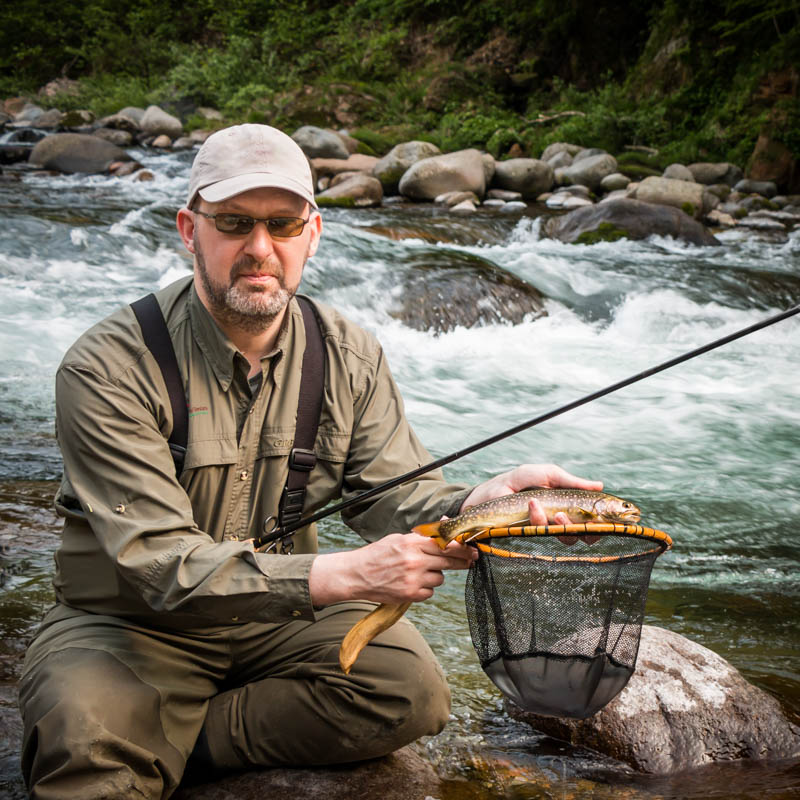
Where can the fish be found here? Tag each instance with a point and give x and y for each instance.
(580, 505)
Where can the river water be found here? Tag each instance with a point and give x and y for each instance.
(710, 450)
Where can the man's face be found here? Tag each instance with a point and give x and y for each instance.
(246, 281)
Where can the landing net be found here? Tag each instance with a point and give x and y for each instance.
(556, 626)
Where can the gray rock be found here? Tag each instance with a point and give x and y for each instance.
(559, 147)
(786, 215)
(77, 118)
(614, 181)
(183, 143)
(76, 152)
(503, 194)
(720, 190)
(493, 202)
(528, 176)
(746, 186)
(514, 206)
(464, 207)
(120, 121)
(691, 197)
(566, 200)
(489, 168)
(157, 122)
(678, 172)
(50, 119)
(684, 707)
(626, 218)
(755, 202)
(762, 223)
(116, 136)
(587, 152)
(200, 135)
(588, 171)
(320, 142)
(722, 172)
(209, 113)
(355, 191)
(458, 171)
(561, 159)
(576, 189)
(454, 198)
(355, 162)
(133, 112)
(29, 113)
(720, 218)
(398, 776)
(391, 167)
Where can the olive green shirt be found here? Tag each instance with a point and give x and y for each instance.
(140, 542)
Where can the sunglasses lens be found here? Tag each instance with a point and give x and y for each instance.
(234, 223)
(285, 226)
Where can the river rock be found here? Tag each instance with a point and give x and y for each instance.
(121, 121)
(684, 707)
(391, 167)
(503, 194)
(720, 218)
(77, 118)
(691, 197)
(614, 181)
(356, 191)
(624, 218)
(528, 176)
(489, 168)
(749, 186)
(588, 171)
(566, 200)
(50, 119)
(454, 198)
(76, 152)
(458, 171)
(464, 207)
(320, 142)
(157, 122)
(355, 162)
(183, 143)
(450, 289)
(722, 172)
(116, 136)
(588, 152)
(398, 776)
(678, 172)
(493, 202)
(559, 147)
(134, 112)
(162, 142)
(210, 113)
(29, 113)
(773, 161)
(562, 159)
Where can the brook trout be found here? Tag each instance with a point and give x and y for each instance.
(580, 505)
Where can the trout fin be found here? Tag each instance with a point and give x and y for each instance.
(431, 530)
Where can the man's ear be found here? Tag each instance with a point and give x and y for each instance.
(185, 225)
(315, 223)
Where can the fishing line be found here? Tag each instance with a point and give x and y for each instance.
(282, 532)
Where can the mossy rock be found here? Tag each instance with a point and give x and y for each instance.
(688, 208)
(638, 172)
(335, 202)
(604, 232)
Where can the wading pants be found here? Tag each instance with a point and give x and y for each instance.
(114, 710)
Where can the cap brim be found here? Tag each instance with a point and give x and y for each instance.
(230, 187)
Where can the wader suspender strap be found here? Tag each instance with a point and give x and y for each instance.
(309, 404)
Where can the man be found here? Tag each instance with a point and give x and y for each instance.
(172, 637)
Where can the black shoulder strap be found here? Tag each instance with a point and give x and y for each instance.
(312, 383)
(157, 338)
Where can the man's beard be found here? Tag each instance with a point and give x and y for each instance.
(251, 308)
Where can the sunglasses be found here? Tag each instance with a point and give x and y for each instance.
(241, 224)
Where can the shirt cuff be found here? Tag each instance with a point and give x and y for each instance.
(288, 597)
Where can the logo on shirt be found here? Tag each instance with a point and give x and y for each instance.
(196, 411)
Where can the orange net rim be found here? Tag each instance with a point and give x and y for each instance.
(662, 540)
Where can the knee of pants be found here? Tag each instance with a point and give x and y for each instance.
(92, 729)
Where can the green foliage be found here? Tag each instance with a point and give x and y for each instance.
(604, 232)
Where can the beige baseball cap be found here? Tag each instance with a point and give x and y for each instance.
(243, 157)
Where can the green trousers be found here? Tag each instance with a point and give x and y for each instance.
(112, 709)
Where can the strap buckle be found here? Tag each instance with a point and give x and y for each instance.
(302, 460)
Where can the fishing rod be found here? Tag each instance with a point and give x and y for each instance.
(283, 531)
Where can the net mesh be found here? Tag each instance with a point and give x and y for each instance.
(557, 629)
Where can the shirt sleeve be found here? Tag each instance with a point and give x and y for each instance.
(384, 446)
(118, 466)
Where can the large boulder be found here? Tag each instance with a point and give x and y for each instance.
(684, 707)
(157, 122)
(76, 152)
(589, 171)
(691, 197)
(773, 161)
(623, 218)
(750, 186)
(356, 162)
(320, 142)
(528, 176)
(356, 190)
(462, 170)
(554, 149)
(720, 172)
(393, 165)
(678, 172)
(121, 121)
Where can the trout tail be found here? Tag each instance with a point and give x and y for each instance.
(430, 529)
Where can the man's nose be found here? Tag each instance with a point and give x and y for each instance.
(259, 243)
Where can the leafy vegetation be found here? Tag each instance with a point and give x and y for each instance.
(697, 79)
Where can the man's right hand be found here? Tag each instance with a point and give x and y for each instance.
(399, 568)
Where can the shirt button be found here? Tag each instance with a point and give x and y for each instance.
(296, 613)
(243, 475)
(252, 409)
(119, 508)
(234, 619)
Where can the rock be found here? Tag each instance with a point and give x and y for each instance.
(115, 136)
(559, 147)
(156, 122)
(454, 198)
(163, 142)
(355, 162)
(119, 169)
(200, 135)
(455, 289)
(120, 122)
(77, 118)
(614, 181)
(13, 105)
(762, 223)
(357, 191)
(133, 112)
(143, 175)
(528, 176)
(503, 194)
(209, 113)
(684, 707)
(787, 216)
(18, 144)
(489, 168)
(691, 197)
(394, 164)
(50, 119)
(678, 172)
(493, 202)
(588, 171)
(334, 180)
(625, 218)
(748, 186)
(76, 152)
(320, 142)
(350, 142)
(720, 190)
(723, 172)
(773, 161)
(562, 159)
(514, 206)
(755, 202)
(587, 152)
(183, 143)
(58, 86)
(29, 112)
(464, 207)
(458, 171)
(398, 776)
(717, 217)
(567, 200)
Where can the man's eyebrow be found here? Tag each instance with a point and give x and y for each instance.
(231, 207)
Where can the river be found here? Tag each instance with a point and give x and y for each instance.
(710, 450)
